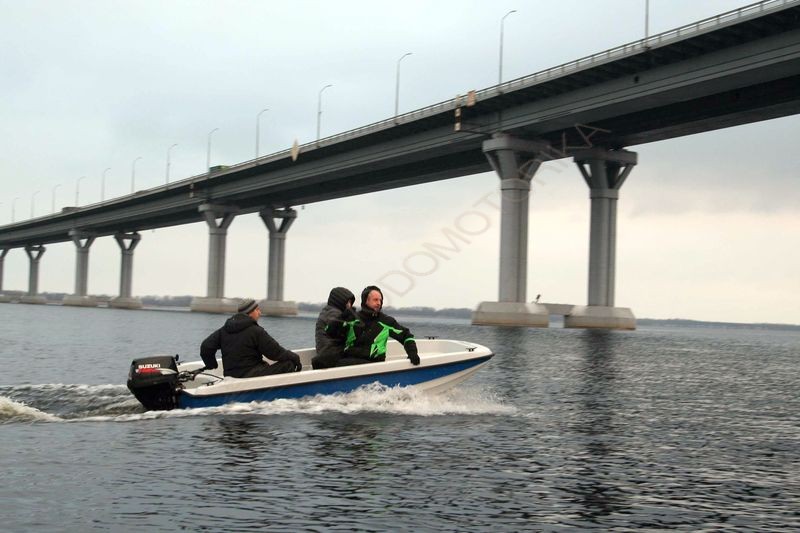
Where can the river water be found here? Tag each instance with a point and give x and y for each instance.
(693, 428)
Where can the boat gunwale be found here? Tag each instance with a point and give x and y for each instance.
(368, 369)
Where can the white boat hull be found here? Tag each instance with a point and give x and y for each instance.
(443, 364)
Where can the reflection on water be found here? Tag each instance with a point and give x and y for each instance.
(363, 450)
(240, 442)
(595, 420)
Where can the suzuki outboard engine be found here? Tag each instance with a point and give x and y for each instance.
(154, 382)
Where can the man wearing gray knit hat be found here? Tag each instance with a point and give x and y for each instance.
(243, 343)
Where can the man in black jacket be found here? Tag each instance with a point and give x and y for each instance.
(243, 342)
(327, 336)
(367, 335)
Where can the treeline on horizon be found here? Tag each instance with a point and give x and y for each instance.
(309, 307)
(185, 301)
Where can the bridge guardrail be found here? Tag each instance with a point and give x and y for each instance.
(612, 54)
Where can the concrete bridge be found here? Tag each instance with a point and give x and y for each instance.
(736, 68)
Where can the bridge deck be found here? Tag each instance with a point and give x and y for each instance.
(738, 67)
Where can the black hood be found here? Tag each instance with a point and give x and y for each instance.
(339, 297)
(364, 295)
(238, 322)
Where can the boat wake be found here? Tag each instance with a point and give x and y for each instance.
(114, 403)
(53, 402)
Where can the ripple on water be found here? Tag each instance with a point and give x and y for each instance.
(687, 429)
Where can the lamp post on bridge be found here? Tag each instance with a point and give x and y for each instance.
(13, 208)
(133, 174)
(208, 150)
(646, 19)
(78, 189)
(500, 69)
(258, 127)
(397, 84)
(319, 107)
(103, 185)
(53, 207)
(168, 151)
(33, 201)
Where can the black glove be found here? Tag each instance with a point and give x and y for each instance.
(411, 350)
(294, 358)
(348, 314)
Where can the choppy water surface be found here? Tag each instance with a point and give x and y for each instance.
(692, 429)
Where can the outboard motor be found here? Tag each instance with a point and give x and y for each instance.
(154, 382)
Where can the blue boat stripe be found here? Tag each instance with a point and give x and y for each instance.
(403, 378)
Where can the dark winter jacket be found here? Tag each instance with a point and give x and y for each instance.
(366, 337)
(329, 343)
(242, 342)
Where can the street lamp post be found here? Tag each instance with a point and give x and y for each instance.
(208, 150)
(258, 127)
(33, 201)
(133, 174)
(646, 19)
(78, 189)
(103, 185)
(319, 107)
(397, 84)
(500, 69)
(53, 210)
(168, 151)
(14, 208)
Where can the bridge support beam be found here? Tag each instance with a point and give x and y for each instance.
(604, 171)
(3, 297)
(83, 242)
(127, 243)
(215, 301)
(515, 161)
(274, 305)
(34, 252)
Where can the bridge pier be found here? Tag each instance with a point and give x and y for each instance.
(125, 300)
(83, 242)
(604, 171)
(34, 252)
(3, 297)
(215, 301)
(274, 305)
(515, 161)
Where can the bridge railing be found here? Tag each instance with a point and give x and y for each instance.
(612, 54)
(628, 49)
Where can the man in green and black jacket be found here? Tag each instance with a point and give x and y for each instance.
(367, 335)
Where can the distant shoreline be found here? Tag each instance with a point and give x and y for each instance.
(182, 303)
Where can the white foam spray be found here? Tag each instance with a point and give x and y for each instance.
(13, 411)
(374, 398)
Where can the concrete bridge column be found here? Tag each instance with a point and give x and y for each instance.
(34, 252)
(515, 161)
(83, 242)
(215, 301)
(3, 253)
(127, 243)
(274, 304)
(604, 171)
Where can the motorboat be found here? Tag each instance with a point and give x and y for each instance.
(162, 382)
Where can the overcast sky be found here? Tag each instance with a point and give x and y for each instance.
(708, 225)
